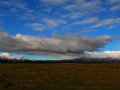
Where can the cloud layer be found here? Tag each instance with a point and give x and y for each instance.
(106, 54)
(62, 44)
(64, 13)
(59, 17)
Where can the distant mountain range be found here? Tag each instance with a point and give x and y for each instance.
(77, 60)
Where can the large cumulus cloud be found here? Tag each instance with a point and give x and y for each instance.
(63, 44)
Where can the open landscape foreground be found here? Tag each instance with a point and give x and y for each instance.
(59, 76)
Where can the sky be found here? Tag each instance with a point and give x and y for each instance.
(59, 27)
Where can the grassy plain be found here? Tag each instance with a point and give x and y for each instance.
(59, 76)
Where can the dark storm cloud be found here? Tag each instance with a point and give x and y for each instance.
(63, 44)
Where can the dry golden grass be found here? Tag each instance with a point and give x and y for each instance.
(64, 76)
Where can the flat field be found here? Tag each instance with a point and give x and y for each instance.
(59, 76)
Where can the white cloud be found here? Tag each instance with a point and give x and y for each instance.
(106, 54)
(93, 6)
(71, 7)
(83, 8)
(106, 22)
(56, 2)
(113, 1)
(36, 26)
(89, 20)
(113, 26)
(115, 8)
(50, 22)
(54, 22)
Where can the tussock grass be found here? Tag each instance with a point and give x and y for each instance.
(63, 76)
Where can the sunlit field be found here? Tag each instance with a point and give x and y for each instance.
(59, 76)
